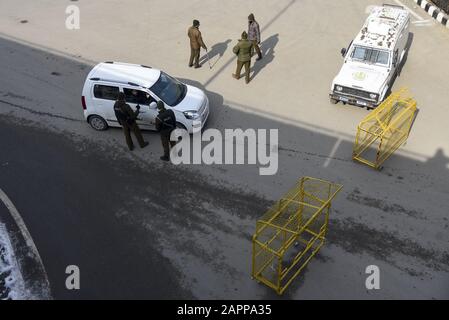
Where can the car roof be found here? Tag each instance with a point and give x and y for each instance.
(127, 73)
(383, 27)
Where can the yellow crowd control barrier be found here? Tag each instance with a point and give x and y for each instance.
(385, 129)
(292, 232)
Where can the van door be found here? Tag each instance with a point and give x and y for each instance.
(147, 115)
(104, 97)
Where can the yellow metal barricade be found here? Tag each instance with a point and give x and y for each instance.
(385, 129)
(292, 232)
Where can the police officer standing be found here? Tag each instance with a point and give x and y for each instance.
(196, 43)
(254, 34)
(165, 124)
(126, 117)
(244, 51)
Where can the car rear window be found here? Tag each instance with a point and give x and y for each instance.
(106, 92)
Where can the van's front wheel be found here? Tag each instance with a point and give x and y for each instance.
(98, 123)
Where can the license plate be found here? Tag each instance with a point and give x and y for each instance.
(344, 99)
(362, 103)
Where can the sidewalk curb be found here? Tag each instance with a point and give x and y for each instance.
(434, 12)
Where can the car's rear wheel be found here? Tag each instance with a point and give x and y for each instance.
(98, 123)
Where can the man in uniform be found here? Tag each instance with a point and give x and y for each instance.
(244, 51)
(165, 124)
(254, 34)
(126, 117)
(196, 43)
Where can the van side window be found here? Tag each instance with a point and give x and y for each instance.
(137, 96)
(106, 92)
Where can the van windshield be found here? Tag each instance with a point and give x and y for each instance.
(169, 90)
(369, 55)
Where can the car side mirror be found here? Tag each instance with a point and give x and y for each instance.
(343, 52)
(153, 105)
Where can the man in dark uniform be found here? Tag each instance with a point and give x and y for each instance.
(126, 117)
(196, 43)
(165, 124)
(244, 51)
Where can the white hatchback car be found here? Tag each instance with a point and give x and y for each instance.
(144, 86)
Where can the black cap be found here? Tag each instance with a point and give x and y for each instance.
(121, 96)
(196, 23)
(160, 105)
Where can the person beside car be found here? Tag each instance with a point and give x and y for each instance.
(127, 119)
(165, 124)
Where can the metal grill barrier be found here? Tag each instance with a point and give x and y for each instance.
(292, 232)
(385, 129)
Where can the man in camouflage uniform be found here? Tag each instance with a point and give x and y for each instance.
(254, 34)
(244, 51)
(196, 43)
(126, 117)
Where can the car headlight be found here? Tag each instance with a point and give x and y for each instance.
(339, 88)
(192, 115)
(373, 96)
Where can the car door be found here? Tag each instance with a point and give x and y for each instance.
(147, 114)
(104, 97)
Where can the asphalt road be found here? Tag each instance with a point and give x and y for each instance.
(69, 201)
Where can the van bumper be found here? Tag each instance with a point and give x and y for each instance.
(356, 101)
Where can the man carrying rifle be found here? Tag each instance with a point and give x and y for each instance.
(165, 124)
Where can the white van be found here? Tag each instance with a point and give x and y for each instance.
(373, 58)
(144, 86)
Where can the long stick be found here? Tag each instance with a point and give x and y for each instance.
(208, 59)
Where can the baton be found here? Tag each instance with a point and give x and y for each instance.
(208, 59)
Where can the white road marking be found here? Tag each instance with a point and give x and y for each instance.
(344, 137)
(25, 233)
(333, 152)
(417, 16)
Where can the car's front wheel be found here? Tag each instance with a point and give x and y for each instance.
(98, 123)
(333, 101)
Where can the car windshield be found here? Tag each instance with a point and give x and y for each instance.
(369, 55)
(169, 90)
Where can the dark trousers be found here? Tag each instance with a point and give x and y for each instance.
(240, 65)
(166, 143)
(257, 48)
(194, 57)
(127, 128)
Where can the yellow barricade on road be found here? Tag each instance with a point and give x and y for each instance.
(385, 129)
(292, 232)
